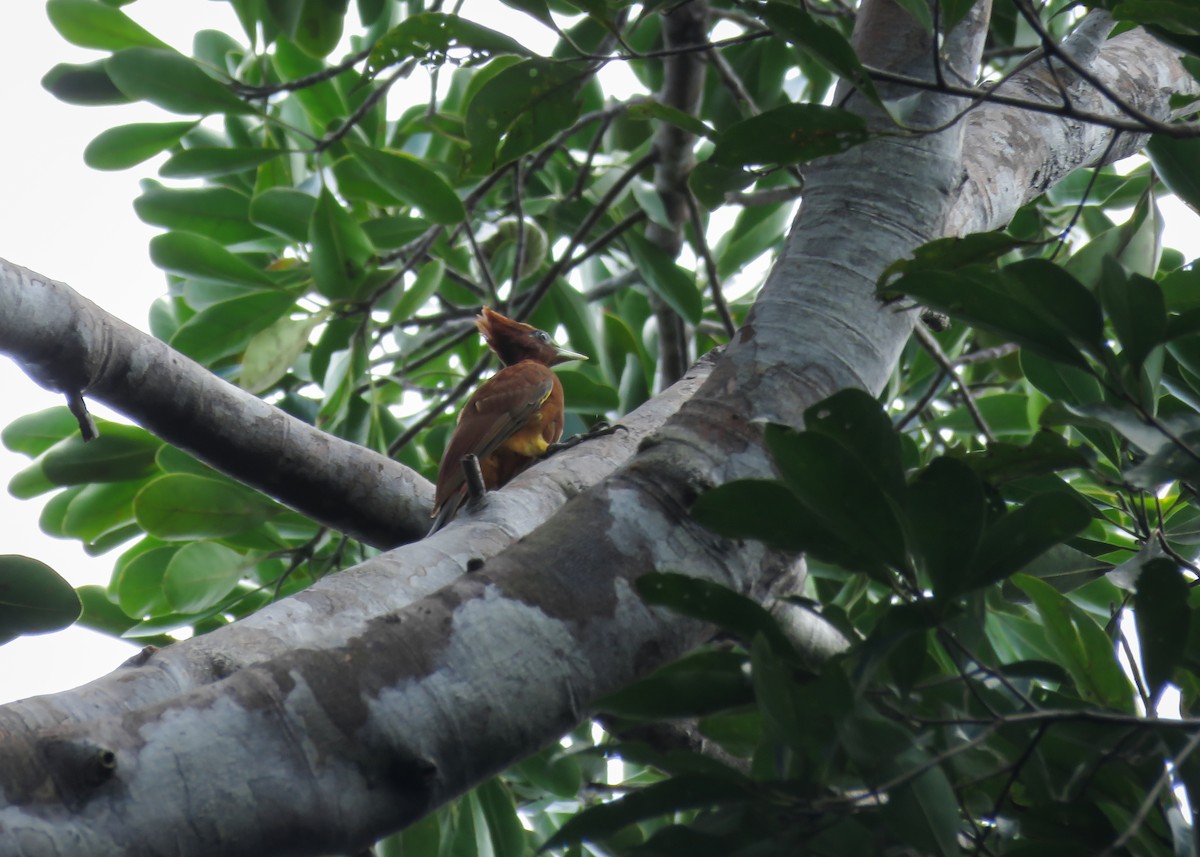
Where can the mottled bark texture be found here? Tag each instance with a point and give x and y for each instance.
(324, 736)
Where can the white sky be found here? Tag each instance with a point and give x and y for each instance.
(77, 225)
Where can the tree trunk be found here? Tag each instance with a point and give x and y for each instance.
(351, 709)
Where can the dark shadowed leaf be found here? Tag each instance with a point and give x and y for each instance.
(1161, 607)
(946, 510)
(687, 791)
(1135, 306)
(981, 299)
(856, 420)
(34, 599)
(1026, 532)
(841, 492)
(86, 84)
(792, 134)
(702, 683)
(711, 602)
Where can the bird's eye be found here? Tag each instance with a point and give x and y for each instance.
(541, 336)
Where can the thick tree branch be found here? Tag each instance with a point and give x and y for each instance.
(353, 732)
(370, 590)
(66, 343)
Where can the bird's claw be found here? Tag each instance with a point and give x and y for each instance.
(600, 429)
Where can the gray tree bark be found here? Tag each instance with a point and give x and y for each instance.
(351, 709)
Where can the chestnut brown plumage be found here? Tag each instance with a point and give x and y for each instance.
(511, 419)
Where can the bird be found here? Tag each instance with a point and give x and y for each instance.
(511, 419)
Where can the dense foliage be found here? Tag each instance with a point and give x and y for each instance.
(981, 537)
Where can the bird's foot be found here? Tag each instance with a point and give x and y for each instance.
(600, 429)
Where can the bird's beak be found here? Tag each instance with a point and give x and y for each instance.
(562, 355)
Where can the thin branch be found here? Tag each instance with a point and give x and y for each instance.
(710, 266)
(246, 90)
(930, 343)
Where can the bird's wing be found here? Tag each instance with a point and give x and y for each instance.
(500, 407)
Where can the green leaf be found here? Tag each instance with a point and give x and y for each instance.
(923, 812)
(842, 493)
(1026, 532)
(1161, 607)
(713, 603)
(857, 421)
(952, 253)
(86, 84)
(791, 134)
(649, 108)
(207, 162)
(687, 791)
(984, 300)
(34, 599)
(101, 614)
(340, 249)
(765, 510)
(121, 453)
(508, 836)
(666, 278)
(946, 510)
(1175, 163)
(314, 25)
(1135, 306)
(171, 81)
(190, 255)
(406, 178)
(526, 104)
(271, 352)
(1061, 300)
(585, 396)
(200, 575)
(284, 211)
(700, 684)
(34, 433)
(218, 213)
(127, 145)
(428, 278)
(139, 584)
(90, 24)
(227, 327)
(432, 36)
(822, 42)
(99, 509)
(711, 182)
(182, 506)
(1080, 646)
